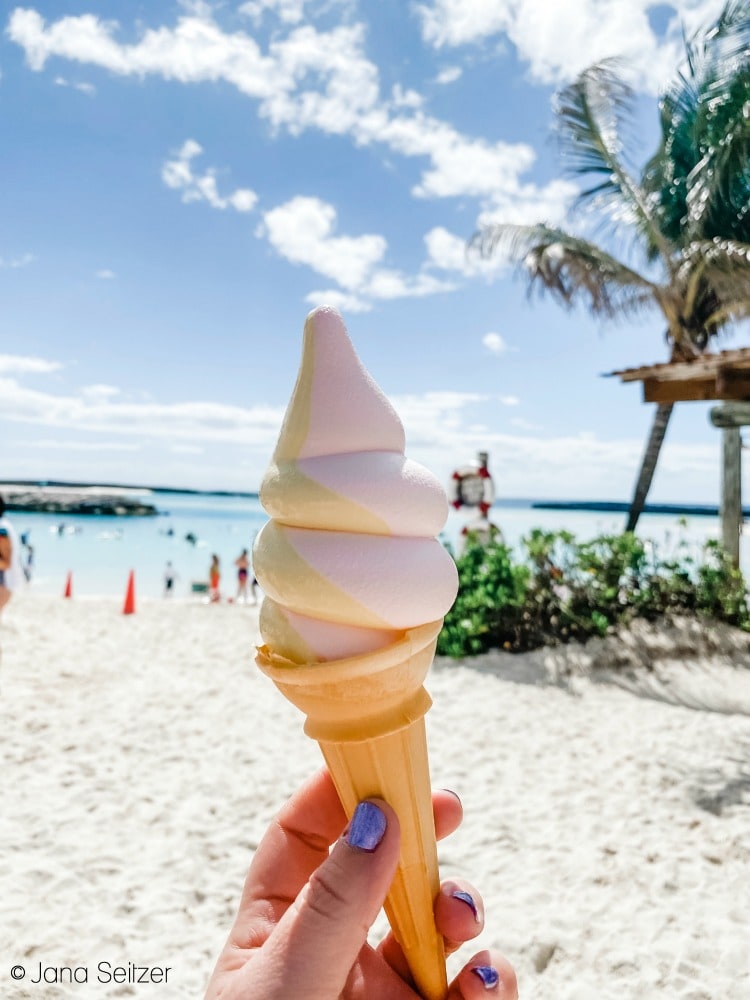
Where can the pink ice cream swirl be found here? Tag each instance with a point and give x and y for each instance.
(349, 559)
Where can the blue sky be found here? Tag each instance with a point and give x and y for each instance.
(182, 181)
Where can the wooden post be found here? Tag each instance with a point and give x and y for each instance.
(730, 417)
(731, 493)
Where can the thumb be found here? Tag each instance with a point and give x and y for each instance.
(322, 934)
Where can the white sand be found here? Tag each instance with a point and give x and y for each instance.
(142, 757)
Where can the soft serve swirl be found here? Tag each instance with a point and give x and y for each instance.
(349, 559)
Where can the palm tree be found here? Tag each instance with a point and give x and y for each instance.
(687, 215)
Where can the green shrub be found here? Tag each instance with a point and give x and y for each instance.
(488, 608)
(561, 589)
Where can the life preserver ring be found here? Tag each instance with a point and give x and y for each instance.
(472, 486)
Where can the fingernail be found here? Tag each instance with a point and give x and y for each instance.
(466, 897)
(488, 975)
(367, 827)
(454, 794)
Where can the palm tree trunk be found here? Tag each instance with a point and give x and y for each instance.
(648, 465)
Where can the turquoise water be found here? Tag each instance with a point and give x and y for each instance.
(101, 551)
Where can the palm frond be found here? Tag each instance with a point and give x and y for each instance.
(702, 140)
(591, 113)
(731, 28)
(728, 314)
(725, 265)
(569, 268)
(718, 181)
(665, 175)
(718, 198)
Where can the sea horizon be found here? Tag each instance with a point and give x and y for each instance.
(99, 550)
(696, 508)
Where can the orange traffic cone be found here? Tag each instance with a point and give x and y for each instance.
(129, 606)
(68, 592)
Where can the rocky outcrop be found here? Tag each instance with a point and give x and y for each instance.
(58, 500)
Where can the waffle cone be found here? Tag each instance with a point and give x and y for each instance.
(367, 714)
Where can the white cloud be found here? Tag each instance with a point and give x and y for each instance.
(435, 417)
(449, 252)
(509, 400)
(449, 75)
(457, 22)
(87, 410)
(99, 392)
(105, 274)
(559, 39)
(178, 174)
(14, 262)
(14, 364)
(444, 433)
(85, 88)
(302, 231)
(198, 8)
(387, 284)
(288, 11)
(401, 98)
(472, 167)
(57, 444)
(494, 343)
(461, 166)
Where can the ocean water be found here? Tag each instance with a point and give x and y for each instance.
(100, 552)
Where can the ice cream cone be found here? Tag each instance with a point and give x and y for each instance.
(367, 714)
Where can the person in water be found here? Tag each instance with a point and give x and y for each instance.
(303, 920)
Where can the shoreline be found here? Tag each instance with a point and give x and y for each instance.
(697, 509)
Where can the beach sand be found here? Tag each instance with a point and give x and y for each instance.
(607, 813)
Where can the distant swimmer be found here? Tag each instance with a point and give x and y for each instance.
(191, 538)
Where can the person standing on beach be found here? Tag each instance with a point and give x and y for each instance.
(214, 578)
(170, 577)
(28, 561)
(10, 558)
(242, 562)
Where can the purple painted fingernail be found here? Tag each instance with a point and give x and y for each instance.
(466, 897)
(488, 975)
(367, 827)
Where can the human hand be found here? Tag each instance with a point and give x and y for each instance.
(301, 929)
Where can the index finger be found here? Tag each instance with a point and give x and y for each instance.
(295, 844)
